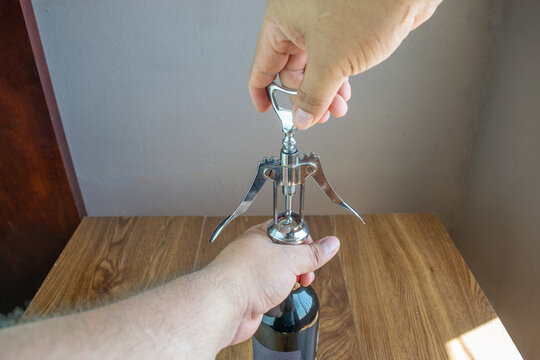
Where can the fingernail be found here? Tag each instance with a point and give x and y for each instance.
(301, 119)
(330, 244)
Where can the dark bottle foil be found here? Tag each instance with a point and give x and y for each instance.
(290, 331)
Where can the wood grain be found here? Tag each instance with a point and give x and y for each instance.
(398, 289)
(38, 212)
(409, 288)
(338, 338)
(111, 258)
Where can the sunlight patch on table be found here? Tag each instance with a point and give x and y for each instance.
(487, 341)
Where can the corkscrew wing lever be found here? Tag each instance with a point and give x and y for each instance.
(256, 186)
(320, 179)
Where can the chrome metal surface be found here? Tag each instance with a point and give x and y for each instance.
(285, 115)
(302, 194)
(289, 230)
(320, 179)
(264, 167)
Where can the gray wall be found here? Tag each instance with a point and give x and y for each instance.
(153, 97)
(498, 231)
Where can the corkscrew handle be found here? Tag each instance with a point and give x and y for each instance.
(284, 115)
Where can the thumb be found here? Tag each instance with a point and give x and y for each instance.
(319, 85)
(311, 257)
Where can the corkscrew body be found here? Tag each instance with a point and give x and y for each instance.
(288, 175)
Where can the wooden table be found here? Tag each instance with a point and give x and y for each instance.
(399, 289)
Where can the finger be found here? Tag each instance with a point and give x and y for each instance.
(267, 63)
(308, 241)
(425, 13)
(325, 118)
(307, 279)
(309, 258)
(345, 90)
(339, 106)
(293, 72)
(291, 77)
(316, 92)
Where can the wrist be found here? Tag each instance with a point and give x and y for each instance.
(225, 294)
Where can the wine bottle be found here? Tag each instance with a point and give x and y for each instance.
(290, 331)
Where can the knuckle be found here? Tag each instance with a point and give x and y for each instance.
(312, 101)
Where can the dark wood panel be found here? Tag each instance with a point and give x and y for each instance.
(52, 106)
(37, 209)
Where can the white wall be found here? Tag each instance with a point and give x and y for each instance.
(498, 231)
(153, 97)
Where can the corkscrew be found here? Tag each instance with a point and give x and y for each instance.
(289, 175)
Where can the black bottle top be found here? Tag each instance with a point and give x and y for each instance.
(290, 330)
(299, 310)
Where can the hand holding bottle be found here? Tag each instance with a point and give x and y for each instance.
(261, 273)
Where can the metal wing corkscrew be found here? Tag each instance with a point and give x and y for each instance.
(288, 175)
